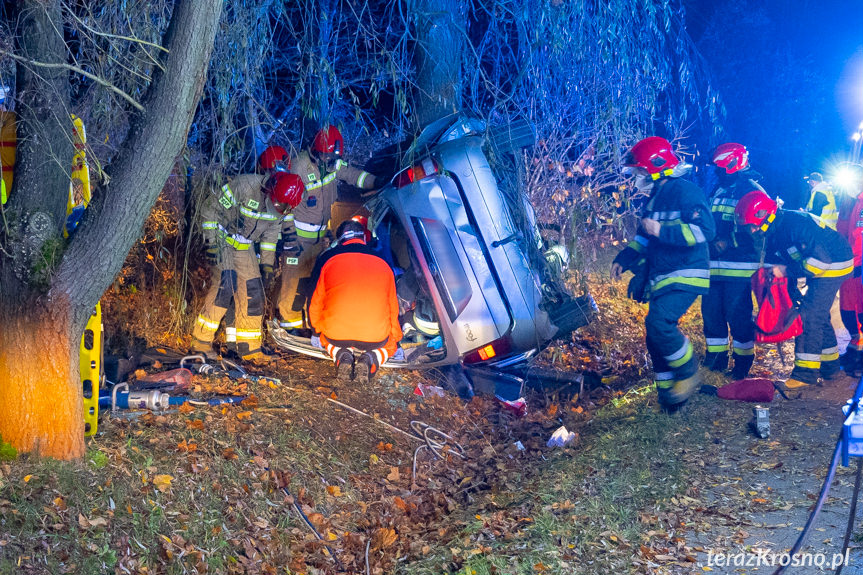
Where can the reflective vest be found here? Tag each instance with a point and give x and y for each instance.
(829, 213)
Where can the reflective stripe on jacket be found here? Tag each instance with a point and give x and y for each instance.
(240, 213)
(678, 258)
(322, 189)
(733, 255)
(822, 203)
(798, 240)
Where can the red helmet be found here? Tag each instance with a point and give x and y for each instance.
(364, 221)
(653, 154)
(731, 156)
(755, 209)
(274, 158)
(287, 189)
(329, 141)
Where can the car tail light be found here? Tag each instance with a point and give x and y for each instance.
(424, 169)
(496, 349)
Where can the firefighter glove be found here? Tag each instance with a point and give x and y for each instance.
(266, 273)
(212, 254)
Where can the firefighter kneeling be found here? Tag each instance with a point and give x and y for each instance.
(354, 306)
(799, 245)
(250, 208)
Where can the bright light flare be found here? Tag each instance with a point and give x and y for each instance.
(846, 178)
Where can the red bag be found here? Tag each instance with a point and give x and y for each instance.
(751, 390)
(777, 318)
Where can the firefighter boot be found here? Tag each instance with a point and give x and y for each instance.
(367, 367)
(742, 365)
(204, 348)
(849, 361)
(716, 361)
(830, 370)
(258, 358)
(345, 365)
(679, 393)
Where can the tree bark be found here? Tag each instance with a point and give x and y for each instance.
(40, 389)
(440, 30)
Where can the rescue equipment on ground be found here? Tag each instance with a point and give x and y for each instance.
(778, 319)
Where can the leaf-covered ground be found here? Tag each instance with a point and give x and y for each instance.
(220, 489)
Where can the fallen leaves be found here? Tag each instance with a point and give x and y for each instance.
(383, 537)
(394, 474)
(162, 482)
(91, 523)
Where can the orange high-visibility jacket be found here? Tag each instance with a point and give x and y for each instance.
(355, 297)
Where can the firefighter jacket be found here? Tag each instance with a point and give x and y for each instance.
(850, 225)
(733, 254)
(313, 214)
(798, 240)
(822, 203)
(678, 258)
(242, 214)
(355, 296)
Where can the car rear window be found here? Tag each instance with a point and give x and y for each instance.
(444, 264)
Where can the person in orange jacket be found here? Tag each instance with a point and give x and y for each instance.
(354, 305)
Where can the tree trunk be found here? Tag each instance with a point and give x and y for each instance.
(40, 391)
(440, 31)
(40, 387)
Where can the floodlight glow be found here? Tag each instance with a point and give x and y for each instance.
(845, 178)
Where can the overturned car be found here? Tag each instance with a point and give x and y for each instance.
(475, 282)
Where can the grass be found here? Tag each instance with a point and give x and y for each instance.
(585, 505)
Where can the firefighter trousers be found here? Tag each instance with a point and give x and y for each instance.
(670, 350)
(292, 303)
(815, 350)
(728, 306)
(238, 278)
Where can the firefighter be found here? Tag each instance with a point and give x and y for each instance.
(251, 208)
(273, 159)
(669, 256)
(733, 260)
(321, 168)
(354, 305)
(822, 200)
(850, 225)
(800, 246)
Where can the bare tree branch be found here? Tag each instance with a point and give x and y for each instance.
(77, 70)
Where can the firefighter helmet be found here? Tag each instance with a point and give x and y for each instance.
(732, 157)
(286, 189)
(653, 154)
(274, 158)
(364, 222)
(329, 141)
(755, 208)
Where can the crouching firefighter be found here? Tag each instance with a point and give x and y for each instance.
(354, 305)
(670, 253)
(800, 245)
(733, 260)
(250, 208)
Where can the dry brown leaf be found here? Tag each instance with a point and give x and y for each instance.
(384, 446)
(195, 424)
(333, 395)
(229, 454)
(244, 415)
(59, 504)
(400, 503)
(186, 408)
(394, 474)
(334, 490)
(384, 537)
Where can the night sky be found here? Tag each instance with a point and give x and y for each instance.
(791, 75)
